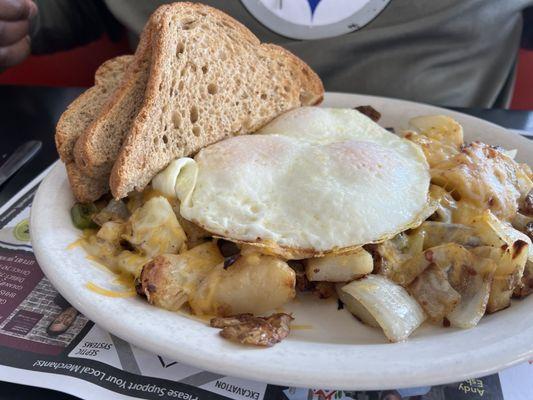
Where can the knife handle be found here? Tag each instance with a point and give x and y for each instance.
(20, 157)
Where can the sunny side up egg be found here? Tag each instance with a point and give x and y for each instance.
(313, 181)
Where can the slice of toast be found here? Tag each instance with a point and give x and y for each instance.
(82, 111)
(98, 146)
(85, 188)
(210, 78)
(78, 116)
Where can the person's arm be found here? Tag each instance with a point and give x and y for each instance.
(14, 26)
(63, 24)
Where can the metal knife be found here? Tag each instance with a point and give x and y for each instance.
(21, 156)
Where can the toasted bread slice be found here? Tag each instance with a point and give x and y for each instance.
(80, 114)
(85, 188)
(98, 146)
(82, 111)
(210, 78)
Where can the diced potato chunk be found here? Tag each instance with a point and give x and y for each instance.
(439, 136)
(130, 262)
(510, 263)
(496, 233)
(442, 128)
(484, 178)
(111, 231)
(154, 229)
(170, 279)
(340, 268)
(255, 283)
(435, 151)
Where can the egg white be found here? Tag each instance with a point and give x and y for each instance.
(313, 181)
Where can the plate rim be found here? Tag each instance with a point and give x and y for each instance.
(284, 376)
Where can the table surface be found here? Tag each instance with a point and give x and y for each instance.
(31, 113)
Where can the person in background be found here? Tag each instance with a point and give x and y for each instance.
(448, 52)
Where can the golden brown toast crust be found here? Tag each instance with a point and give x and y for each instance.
(78, 116)
(97, 147)
(85, 188)
(228, 84)
(82, 111)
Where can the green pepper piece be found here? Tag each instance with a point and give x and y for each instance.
(82, 214)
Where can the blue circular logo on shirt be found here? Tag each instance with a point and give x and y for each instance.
(314, 19)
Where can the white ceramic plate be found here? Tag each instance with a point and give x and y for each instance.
(338, 351)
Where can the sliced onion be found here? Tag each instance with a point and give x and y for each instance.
(392, 307)
(434, 293)
(354, 307)
(473, 282)
(437, 233)
(178, 179)
(442, 256)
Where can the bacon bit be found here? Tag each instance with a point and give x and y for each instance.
(491, 152)
(428, 255)
(229, 261)
(504, 247)
(126, 245)
(227, 248)
(370, 112)
(302, 283)
(296, 265)
(258, 331)
(518, 246)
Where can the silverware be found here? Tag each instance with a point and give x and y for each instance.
(21, 156)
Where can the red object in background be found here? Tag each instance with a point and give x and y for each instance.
(523, 90)
(76, 68)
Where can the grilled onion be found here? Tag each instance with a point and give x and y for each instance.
(390, 305)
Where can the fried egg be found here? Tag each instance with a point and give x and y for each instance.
(313, 181)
